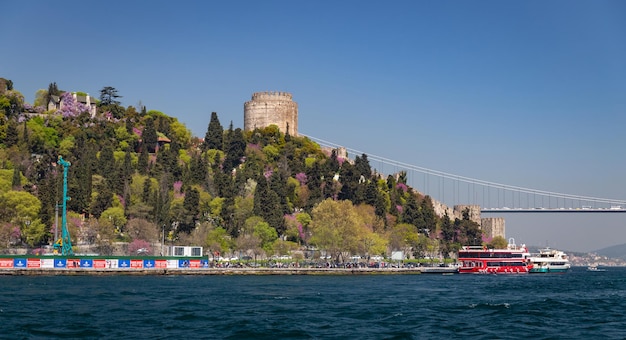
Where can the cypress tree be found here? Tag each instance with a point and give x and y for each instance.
(106, 162)
(16, 183)
(214, 134)
(145, 195)
(267, 205)
(429, 218)
(349, 183)
(278, 184)
(411, 212)
(162, 202)
(127, 168)
(80, 177)
(25, 138)
(197, 169)
(314, 184)
(142, 162)
(129, 126)
(236, 149)
(191, 207)
(103, 201)
(371, 193)
(12, 135)
(362, 166)
(149, 135)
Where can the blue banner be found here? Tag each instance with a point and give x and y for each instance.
(60, 263)
(204, 263)
(148, 263)
(183, 263)
(86, 263)
(19, 263)
(123, 263)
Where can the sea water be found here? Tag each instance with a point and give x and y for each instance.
(578, 304)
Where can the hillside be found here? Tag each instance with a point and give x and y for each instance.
(138, 177)
(616, 252)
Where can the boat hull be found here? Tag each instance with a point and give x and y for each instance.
(496, 270)
(546, 270)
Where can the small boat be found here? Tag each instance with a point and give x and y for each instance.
(594, 268)
(549, 261)
(480, 260)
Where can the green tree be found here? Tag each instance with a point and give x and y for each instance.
(235, 149)
(53, 90)
(127, 168)
(149, 136)
(142, 162)
(191, 207)
(266, 234)
(198, 169)
(19, 207)
(362, 166)
(11, 138)
(147, 190)
(403, 236)
(214, 135)
(498, 242)
(411, 212)
(108, 96)
(35, 233)
(335, 228)
(106, 162)
(103, 201)
(218, 240)
(267, 205)
(17, 179)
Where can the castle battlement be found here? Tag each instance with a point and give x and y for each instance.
(272, 95)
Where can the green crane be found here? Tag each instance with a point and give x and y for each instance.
(65, 243)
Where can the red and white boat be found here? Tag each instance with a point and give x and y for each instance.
(480, 260)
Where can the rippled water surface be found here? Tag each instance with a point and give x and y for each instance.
(578, 304)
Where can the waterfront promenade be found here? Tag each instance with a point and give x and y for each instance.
(226, 271)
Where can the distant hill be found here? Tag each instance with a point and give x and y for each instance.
(616, 252)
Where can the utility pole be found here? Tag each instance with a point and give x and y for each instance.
(163, 240)
(56, 222)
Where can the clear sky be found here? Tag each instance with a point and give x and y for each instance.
(526, 93)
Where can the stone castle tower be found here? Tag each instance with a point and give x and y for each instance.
(267, 108)
(493, 226)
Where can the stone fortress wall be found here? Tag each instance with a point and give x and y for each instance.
(267, 108)
(491, 226)
(278, 108)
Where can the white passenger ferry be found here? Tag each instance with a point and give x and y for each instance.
(549, 261)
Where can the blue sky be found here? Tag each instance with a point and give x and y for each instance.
(531, 94)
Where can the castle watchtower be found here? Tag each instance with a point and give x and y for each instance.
(267, 108)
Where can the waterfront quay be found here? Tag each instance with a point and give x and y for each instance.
(226, 271)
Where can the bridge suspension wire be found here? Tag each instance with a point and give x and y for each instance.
(473, 181)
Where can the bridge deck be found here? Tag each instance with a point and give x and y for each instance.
(546, 210)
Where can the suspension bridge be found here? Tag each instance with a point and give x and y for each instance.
(492, 197)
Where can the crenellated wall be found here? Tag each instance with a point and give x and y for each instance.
(267, 108)
(491, 226)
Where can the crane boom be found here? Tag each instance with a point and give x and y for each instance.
(65, 241)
